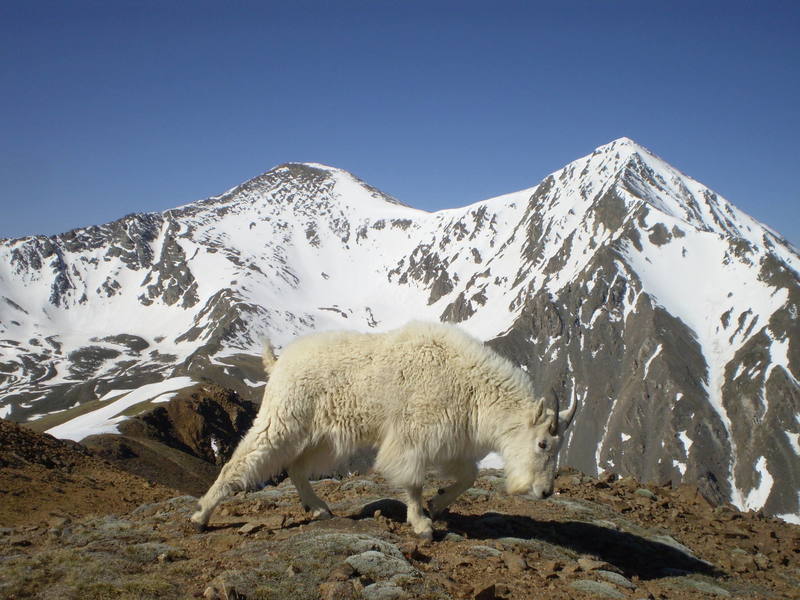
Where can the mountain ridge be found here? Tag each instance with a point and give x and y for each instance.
(616, 279)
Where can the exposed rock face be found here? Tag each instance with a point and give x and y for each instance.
(206, 421)
(170, 278)
(181, 443)
(618, 280)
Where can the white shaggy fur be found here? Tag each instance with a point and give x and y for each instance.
(425, 396)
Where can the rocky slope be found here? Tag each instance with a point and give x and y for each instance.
(618, 281)
(181, 443)
(45, 480)
(595, 538)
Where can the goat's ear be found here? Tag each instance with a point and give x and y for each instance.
(552, 422)
(536, 413)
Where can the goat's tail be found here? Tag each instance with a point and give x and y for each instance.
(268, 357)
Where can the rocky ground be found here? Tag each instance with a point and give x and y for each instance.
(595, 538)
(45, 480)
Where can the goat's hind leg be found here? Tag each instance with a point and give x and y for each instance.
(300, 470)
(464, 474)
(408, 473)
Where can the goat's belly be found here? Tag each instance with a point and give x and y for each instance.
(348, 433)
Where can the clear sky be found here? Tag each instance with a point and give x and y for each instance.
(111, 107)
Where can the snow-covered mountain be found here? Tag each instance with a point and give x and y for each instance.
(619, 281)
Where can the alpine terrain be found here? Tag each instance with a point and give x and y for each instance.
(617, 282)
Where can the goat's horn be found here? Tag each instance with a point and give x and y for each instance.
(566, 415)
(553, 427)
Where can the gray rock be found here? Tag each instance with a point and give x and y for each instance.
(270, 494)
(347, 543)
(570, 504)
(668, 540)
(616, 578)
(606, 524)
(590, 564)
(645, 493)
(379, 566)
(596, 588)
(251, 527)
(358, 484)
(383, 590)
(702, 586)
(482, 551)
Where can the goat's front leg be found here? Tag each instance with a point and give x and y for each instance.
(255, 459)
(465, 474)
(420, 523)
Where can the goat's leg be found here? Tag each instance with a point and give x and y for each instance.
(420, 523)
(311, 502)
(255, 460)
(465, 474)
(407, 472)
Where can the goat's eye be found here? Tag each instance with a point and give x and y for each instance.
(543, 445)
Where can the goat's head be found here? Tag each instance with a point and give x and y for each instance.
(531, 453)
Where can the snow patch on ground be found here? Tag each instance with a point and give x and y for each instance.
(164, 397)
(601, 443)
(794, 441)
(779, 353)
(685, 440)
(106, 419)
(790, 518)
(650, 360)
(113, 394)
(757, 497)
(492, 461)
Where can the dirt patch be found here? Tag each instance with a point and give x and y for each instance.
(43, 478)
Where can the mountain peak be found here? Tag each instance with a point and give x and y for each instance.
(319, 166)
(314, 166)
(624, 145)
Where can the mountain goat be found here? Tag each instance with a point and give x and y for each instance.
(426, 395)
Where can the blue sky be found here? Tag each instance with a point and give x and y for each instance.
(112, 107)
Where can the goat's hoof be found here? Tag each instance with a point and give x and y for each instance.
(198, 521)
(424, 529)
(322, 515)
(425, 536)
